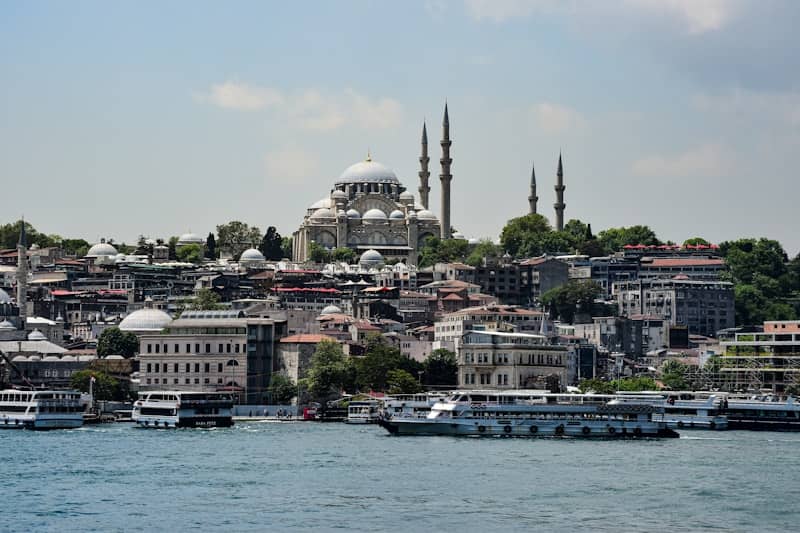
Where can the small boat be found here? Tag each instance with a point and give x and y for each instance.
(40, 409)
(521, 413)
(179, 409)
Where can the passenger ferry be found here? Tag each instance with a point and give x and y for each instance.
(411, 405)
(762, 412)
(685, 410)
(178, 409)
(363, 412)
(40, 409)
(531, 414)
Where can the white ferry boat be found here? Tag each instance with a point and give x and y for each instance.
(685, 410)
(531, 414)
(177, 409)
(762, 412)
(363, 412)
(411, 405)
(40, 409)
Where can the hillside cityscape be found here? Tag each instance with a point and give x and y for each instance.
(378, 292)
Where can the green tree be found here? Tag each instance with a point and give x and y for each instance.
(235, 237)
(344, 255)
(114, 341)
(318, 253)
(281, 389)
(694, 241)
(596, 386)
(286, 247)
(436, 250)
(401, 382)
(271, 245)
(76, 247)
(328, 370)
(190, 253)
(441, 368)
(523, 236)
(575, 296)
(613, 239)
(673, 375)
(485, 249)
(205, 300)
(379, 359)
(104, 387)
(635, 384)
(211, 247)
(9, 236)
(172, 246)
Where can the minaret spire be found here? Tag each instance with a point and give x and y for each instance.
(560, 205)
(22, 273)
(424, 188)
(445, 177)
(532, 199)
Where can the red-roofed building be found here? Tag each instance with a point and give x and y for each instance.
(294, 354)
(697, 268)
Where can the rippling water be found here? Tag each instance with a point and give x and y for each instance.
(283, 476)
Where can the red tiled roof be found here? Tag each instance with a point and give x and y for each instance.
(305, 338)
(453, 296)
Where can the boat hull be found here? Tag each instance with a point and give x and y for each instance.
(535, 428)
(184, 422)
(41, 423)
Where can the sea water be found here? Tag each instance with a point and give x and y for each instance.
(273, 476)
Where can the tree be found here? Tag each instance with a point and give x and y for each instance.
(172, 246)
(441, 368)
(379, 359)
(286, 247)
(281, 389)
(596, 386)
(328, 370)
(673, 375)
(401, 382)
(318, 253)
(435, 250)
(694, 241)
(484, 250)
(9, 236)
(76, 247)
(114, 341)
(344, 255)
(205, 300)
(104, 387)
(235, 237)
(211, 247)
(613, 239)
(190, 253)
(271, 245)
(575, 296)
(522, 236)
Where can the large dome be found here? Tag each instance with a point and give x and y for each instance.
(145, 320)
(368, 171)
(374, 214)
(102, 249)
(322, 213)
(191, 238)
(251, 255)
(426, 215)
(370, 258)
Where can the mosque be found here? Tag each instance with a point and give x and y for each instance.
(370, 211)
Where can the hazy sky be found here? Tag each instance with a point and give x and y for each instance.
(127, 118)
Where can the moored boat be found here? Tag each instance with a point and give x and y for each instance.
(762, 412)
(684, 410)
(532, 414)
(40, 409)
(363, 412)
(178, 409)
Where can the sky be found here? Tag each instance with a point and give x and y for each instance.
(120, 119)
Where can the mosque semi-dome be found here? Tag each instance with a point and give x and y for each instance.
(322, 203)
(322, 213)
(368, 171)
(397, 215)
(36, 335)
(374, 214)
(190, 238)
(102, 249)
(353, 214)
(407, 196)
(5, 325)
(145, 320)
(338, 195)
(251, 255)
(424, 214)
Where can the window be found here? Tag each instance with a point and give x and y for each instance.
(158, 348)
(187, 381)
(206, 381)
(149, 348)
(164, 368)
(197, 367)
(188, 367)
(207, 368)
(149, 369)
(166, 348)
(175, 381)
(220, 349)
(156, 381)
(196, 381)
(178, 348)
(148, 381)
(219, 367)
(175, 368)
(197, 347)
(219, 381)
(157, 366)
(188, 348)
(208, 347)
(236, 348)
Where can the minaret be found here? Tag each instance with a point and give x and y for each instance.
(424, 188)
(445, 176)
(532, 199)
(560, 205)
(22, 274)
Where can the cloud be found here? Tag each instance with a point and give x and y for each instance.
(290, 165)
(698, 16)
(556, 118)
(243, 97)
(778, 107)
(310, 109)
(708, 160)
